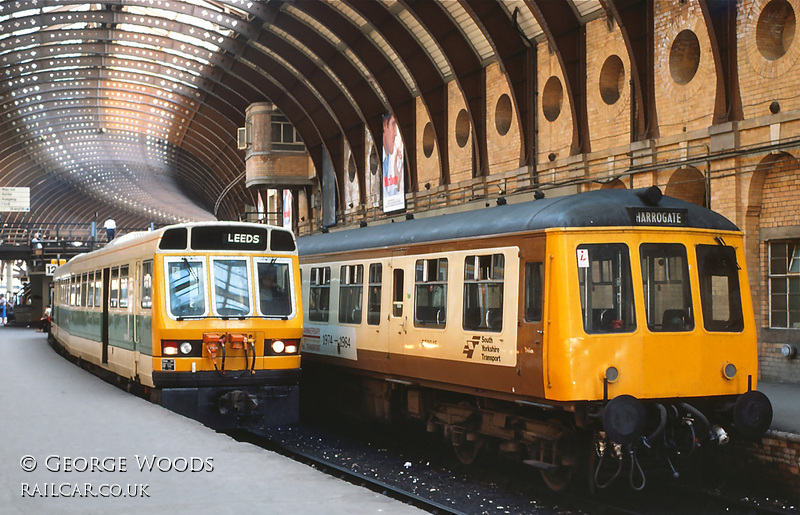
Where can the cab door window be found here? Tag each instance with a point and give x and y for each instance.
(606, 288)
(720, 296)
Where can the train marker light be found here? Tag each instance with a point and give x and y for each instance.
(186, 348)
(169, 348)
(612, 374)
(729, 371)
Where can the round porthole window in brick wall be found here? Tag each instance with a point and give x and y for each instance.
(684, 57)
(428, 139)
(502, 114)
(612, 79)
(775, 29)
(462, 128)
(351, 168)
(552, 96)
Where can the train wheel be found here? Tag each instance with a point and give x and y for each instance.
(566, 457)
(469, 448)
(467, 442)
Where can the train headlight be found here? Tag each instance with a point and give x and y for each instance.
(729, 371)
(281, 347)
(612, 374)
(186, 348)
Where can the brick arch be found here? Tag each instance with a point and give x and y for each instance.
(774, 187)
(689, 184)
(771, 195)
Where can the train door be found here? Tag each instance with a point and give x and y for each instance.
(104, 321)
(134, 280)
(532, 325)
(398, 311)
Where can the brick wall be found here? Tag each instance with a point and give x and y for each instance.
(767, 62)
(685, 83)
(503, 149)
(554, 135)
(428, 171)
(608, 74)
(460, 135)
(771, 464)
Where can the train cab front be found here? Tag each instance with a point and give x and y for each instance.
(664, 346)
(231, 379)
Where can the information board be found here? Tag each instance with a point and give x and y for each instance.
(15, 199)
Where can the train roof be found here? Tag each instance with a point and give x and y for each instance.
(599, 208)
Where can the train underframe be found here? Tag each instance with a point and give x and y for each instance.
(587, 444)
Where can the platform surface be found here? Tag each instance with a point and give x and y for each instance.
(62, 421)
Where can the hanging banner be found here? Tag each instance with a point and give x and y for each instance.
(287, 209)
(261, 211)
(394, 197)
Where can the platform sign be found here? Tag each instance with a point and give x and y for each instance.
(50, 268)
(15, 200)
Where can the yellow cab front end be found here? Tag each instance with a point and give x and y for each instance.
(647, 316)
(226, 331)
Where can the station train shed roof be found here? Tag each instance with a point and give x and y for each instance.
(131, 108)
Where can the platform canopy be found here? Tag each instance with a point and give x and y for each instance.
(130, 108)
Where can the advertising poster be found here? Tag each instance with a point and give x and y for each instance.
(394, 197)
(287, 209)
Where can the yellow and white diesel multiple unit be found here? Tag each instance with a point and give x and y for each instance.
(205, 318)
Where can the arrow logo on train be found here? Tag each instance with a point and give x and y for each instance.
(469, 348)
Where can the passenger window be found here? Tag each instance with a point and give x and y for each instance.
(319, 294)
(90, 291)
(606, 288)
(374, 294)
(84, 287)
(114, 292)
(147, 284)
(534, 291)
(351, 289)
(98, 288)
(483, 292)
(123, 286)
(720, 297)
(430, 296)
(667, 292)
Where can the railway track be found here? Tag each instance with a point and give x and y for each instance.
(406, 467)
